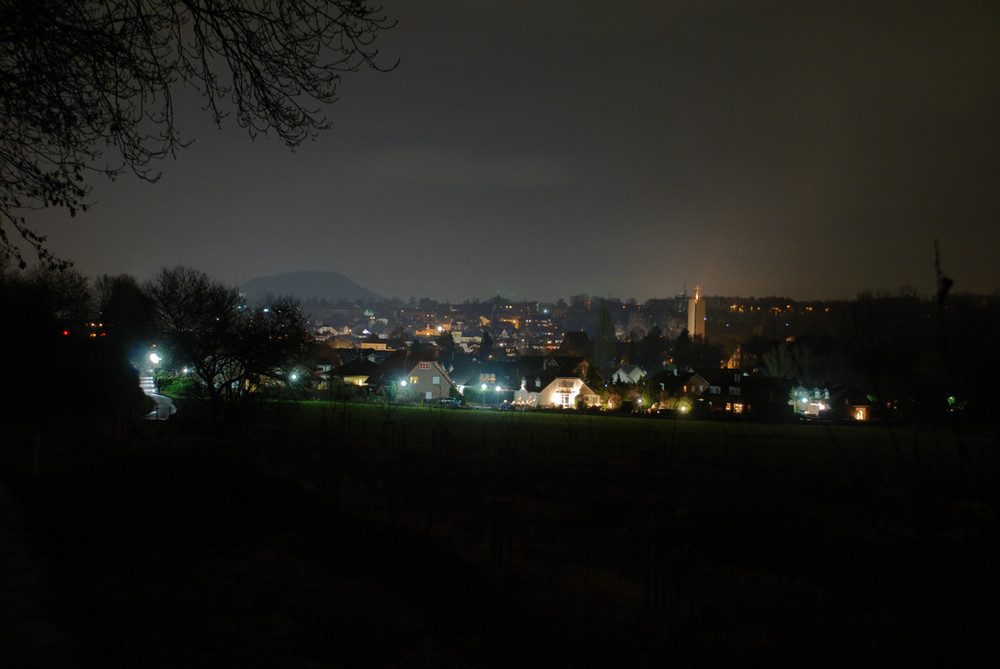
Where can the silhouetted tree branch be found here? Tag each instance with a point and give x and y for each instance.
(87, 86)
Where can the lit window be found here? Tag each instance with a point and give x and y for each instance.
(436, 380)
(414, 379)
(425, 365)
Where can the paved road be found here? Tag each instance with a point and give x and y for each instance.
(164, 405)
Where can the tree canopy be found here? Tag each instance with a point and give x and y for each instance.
(230, 349)
(87, 86)
(54, 364)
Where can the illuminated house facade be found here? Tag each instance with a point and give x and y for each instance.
(566, 393)
(838, 403)
(427, 381)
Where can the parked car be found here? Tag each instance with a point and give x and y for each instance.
(450, 402)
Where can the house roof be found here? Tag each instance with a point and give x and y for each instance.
(357, 367)
(435, 364)
(398, 365)
(673, 381)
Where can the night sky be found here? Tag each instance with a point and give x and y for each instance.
(545, 149)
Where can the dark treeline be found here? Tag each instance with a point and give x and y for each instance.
(52, 363)
(71, 345)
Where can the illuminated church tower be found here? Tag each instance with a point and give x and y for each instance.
(696, 315)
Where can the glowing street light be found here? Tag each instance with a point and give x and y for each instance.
(155, 358)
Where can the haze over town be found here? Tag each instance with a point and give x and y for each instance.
(541, 150)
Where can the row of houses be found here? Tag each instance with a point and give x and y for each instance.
(566, 381)
(739, 393)
(533, 381)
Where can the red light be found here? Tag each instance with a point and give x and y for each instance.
(65, 333)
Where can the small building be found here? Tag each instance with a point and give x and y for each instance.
(568, 393)
(427, 381)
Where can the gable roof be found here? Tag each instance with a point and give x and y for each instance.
(356, 367)
(398, 365)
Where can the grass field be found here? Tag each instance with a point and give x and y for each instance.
(357, 535)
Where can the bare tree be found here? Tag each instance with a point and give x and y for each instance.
(229, 349)
(87, 86)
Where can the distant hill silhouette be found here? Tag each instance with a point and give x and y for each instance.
(330, 286)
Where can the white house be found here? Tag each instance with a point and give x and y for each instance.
(565, 392)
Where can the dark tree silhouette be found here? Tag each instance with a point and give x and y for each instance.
(486, 346)
(604, 338)
(652, 348)
(124, 310)
(446, 346)
(52, 365)
(87, 86)
(230, 349)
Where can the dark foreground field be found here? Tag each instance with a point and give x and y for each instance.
(339, 535)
